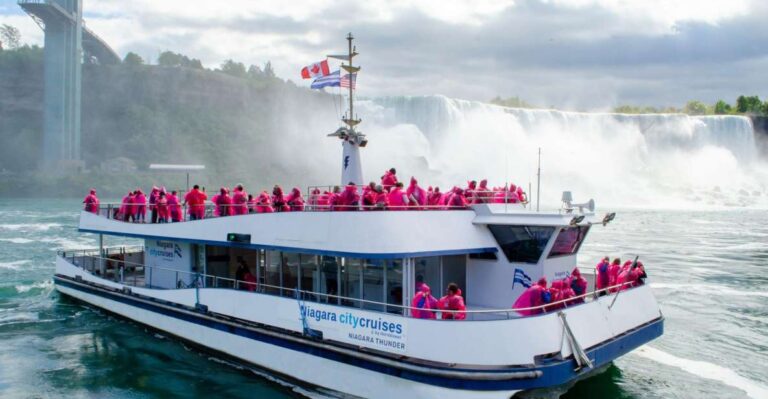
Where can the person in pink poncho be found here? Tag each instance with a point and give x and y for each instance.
(579, 286)
(195, 202)
(452, 305)
(417, 196)
(125, 207)
(613, 274)
(91, 202)
(457, 200)
(152, 201)
(433, 200)
(469, 192)
(397, 198)
(314, 197)
(239, 201)
(535, 295)
(349, 199)
(483, 194)
(382, 198)
(602, 280)
(425, 302)
(278, 200)
(140, 200)
(295, 201)
(264, 203)
(163, 213)
(174, 207)
(369, 197)
(389, 180)
(222, 202)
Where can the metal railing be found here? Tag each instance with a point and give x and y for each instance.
(127, 273)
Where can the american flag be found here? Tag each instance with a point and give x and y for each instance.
(346, 79)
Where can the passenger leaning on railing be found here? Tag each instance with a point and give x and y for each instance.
(579, 286)
(195, 202)
(153, 194)
(264, 203)
(239, 201)
(222, 203)
(140, 202)
(91, 202)
(175, 207)
(397, 198)
(417, 196)
(278, 200)
(295, 201)
(163, 213)
(602, 280)
(425, 302)
(349, 199)
(533, 297)
(369, 196)
(389, 179)
(452, 305)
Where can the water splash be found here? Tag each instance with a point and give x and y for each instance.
(663, 160)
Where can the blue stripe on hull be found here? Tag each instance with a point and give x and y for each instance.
(557, 372)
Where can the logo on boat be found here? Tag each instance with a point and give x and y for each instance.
(376, 332)
(346, 161)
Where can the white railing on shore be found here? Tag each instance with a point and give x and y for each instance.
(84, 258)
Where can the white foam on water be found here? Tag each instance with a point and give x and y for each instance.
(709, 289)
(15, 265)
(16, 318)
(29, 226)
(706, 370)
(17, 240)
(45, 285)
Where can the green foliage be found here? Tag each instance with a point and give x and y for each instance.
(236, 69)
(133, 59)
(171, 59)
(695, 107)
(749, 104)
(512, 102)
(722, 108)
(268, 71)
(10, 37)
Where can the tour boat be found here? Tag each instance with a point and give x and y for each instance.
(330, 305)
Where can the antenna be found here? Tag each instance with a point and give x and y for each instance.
(538, 183)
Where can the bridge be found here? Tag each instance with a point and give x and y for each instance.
(68, 43)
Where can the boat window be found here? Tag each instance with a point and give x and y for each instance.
(568, 241)
(373, 283)
(272, 273)
(522, 244)
(484, 256)
(310, 279)
(394, 287)
(351, 281)
(454, 271)
(329, 277)
(427, 271)
(290, 273)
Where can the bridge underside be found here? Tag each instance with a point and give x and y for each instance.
(67, 45)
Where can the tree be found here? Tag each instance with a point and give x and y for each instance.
(268, 71)
(10, 37)
(749, 104)
(254, 72)
(236, 69)
(171, 59)
(133, 59)
(695, 107)
(722, 108)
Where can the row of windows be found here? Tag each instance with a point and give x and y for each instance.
(280, 273)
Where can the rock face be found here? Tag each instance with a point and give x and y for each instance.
(761, 134)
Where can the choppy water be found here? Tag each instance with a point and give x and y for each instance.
(707, 269)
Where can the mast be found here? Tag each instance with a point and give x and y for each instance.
(352, 140)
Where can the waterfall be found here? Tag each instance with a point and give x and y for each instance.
(664, 160)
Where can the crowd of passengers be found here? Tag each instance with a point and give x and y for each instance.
(390, 194)
(610, 277)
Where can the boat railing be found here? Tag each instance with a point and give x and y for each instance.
(138, 274)
(211, 210)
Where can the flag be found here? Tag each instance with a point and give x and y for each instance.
(315, 70)
(346, 79)
(331, 80)
(522, 278)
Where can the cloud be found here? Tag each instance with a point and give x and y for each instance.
(566, 53)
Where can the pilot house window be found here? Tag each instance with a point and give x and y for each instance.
(568, 241)
(522, 244)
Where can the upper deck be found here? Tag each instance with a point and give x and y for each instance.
(386, 234)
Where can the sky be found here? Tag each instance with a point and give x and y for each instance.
(568, 54)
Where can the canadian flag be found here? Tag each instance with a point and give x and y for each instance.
(315, 70)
